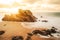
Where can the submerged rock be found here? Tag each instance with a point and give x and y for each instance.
(17, 38)
(44, 20)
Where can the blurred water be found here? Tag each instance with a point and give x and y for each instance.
(18, 28)
(51, 17)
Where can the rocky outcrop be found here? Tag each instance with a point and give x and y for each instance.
(22, 16)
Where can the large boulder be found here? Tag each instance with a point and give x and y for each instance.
(22, 16)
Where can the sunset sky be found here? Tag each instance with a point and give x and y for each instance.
(12, 6)
(42, 5)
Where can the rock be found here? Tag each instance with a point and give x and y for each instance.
(44, 20)
(2, 32)
(17, 38)
(41, 16)
(28, 38)
(22, 16)
(30, 34)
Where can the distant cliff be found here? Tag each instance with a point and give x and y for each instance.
(22, 16)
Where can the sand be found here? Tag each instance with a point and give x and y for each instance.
(17, 29)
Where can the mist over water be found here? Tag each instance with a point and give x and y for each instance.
(53, 19)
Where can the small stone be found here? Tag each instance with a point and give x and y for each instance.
(41, 16)
(28, 38)
(2, 32)
(30, 34)
(39, 20)
(44, 21)
(58, 35)
(4, 25)
(17, 38)
(35, 32)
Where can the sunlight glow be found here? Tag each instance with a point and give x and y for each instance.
(20, 4)
(12, 6)
(9, 10)
(45, 4)
(9, 2)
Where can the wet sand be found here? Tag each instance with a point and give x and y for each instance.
(16, 28)
(19, 28)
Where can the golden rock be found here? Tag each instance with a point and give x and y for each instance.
(22, 16)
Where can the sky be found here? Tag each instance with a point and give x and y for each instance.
(35, 5)
(12, 6)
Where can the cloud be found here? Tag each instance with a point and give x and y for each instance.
(36, 5)
(31, 1)
(44, 1)
(54, 1)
